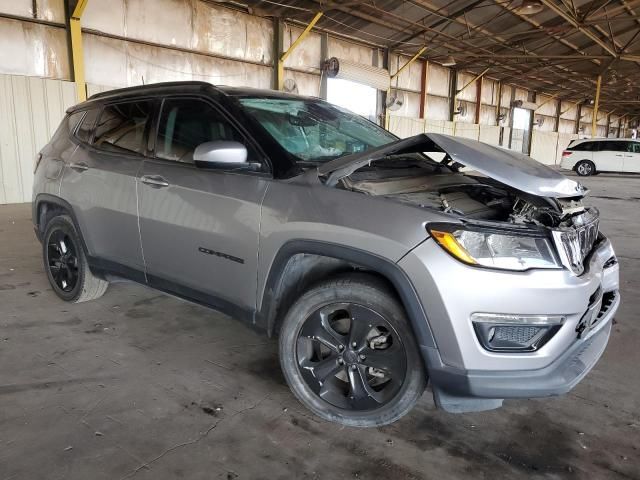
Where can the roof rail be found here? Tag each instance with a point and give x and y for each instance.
(149, 86)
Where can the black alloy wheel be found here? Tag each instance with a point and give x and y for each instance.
(62, 260)
(351, 356)
(66, 263)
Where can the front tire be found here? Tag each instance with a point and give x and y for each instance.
(66, 263)
(585, 168)
(349, 354)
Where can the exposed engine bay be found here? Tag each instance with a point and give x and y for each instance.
(440, 186)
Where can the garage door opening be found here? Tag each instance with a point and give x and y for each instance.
(360, 99)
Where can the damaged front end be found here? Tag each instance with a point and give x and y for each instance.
(513, 214)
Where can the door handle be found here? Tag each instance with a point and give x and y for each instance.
(154, 181)
(80, 166)
(618, 155)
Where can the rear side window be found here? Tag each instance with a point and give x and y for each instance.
(584, 147)
(121, 127)
(73, 120)
(614, 146)
(86, 127)
(636, 147)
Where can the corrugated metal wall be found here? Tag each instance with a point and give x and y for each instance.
(30, 111)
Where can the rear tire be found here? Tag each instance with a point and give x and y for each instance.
(66, 263)
(349, 354)
(585, 168)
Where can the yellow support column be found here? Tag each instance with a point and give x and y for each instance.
(293, 46)
(76, 50)
(594, 119)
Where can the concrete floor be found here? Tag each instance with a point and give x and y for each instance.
(141, 385)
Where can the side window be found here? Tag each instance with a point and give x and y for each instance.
(613, 146)
(86, 127)
(584, 147)
(121, 127)
(186, 123)
(636, 147)
(73, 120)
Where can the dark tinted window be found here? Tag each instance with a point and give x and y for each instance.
(185, 124)
(86, 127)
(73, 119)
(121, 127)
(613, 146)
(636, 147)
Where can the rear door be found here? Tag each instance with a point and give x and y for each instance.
(632, 157)
(200, 227)
(610, 155)
(100, 183)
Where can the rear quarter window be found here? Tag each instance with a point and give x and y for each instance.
(85, 129)
(583, 147)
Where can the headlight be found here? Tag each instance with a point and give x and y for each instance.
(493, 248)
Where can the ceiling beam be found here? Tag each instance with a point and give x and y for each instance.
(585, 30)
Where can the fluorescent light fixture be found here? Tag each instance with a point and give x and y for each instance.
(449, 61)
(530, 7)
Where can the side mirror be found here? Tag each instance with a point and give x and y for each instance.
(220, 154)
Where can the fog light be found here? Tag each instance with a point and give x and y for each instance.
(515, 333)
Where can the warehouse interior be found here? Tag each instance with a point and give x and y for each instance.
(142, 385)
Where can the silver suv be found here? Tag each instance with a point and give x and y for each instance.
(381, 264)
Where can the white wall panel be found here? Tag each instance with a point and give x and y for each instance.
(467, 130)
(32, 49)
(107, 17)
(489, 92)
(543, 146)
(506, 95)
(308, 84)
(405, 127)
(411, 77)
(230, 72)
(468, 93)
(118, 64)
(438, 80)
(105, 61)
(546, 105)
(30, 111)
(350, 51)
(306, 56)
(437, 108)
(160, 21)
(411, 106)
(230, 33)
(487, 115)
(50, 10)
(490, 134)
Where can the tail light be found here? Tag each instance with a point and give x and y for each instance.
(566, 153)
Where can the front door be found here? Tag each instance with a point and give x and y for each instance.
(200, 227)
(100, 181)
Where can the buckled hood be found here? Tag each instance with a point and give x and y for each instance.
(505, 166)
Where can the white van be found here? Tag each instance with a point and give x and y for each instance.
(591, 156)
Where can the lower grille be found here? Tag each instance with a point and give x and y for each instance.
(522, 335)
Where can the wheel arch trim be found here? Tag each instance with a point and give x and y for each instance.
(48, 198)
(386, 268)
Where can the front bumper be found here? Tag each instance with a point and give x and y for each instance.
(462, 373)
